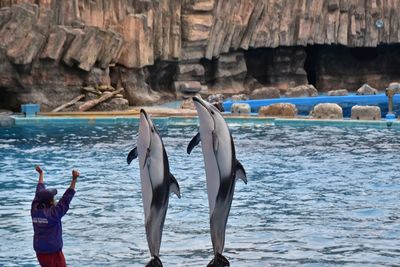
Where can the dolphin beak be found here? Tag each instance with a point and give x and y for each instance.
(144, 113)
(204, 104)
(200, 101)
(197, 99)
(149, 122)
(144, 118)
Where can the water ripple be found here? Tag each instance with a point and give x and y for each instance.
(317, 196)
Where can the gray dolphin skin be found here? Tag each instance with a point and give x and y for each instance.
(222, 170)
(156, 181)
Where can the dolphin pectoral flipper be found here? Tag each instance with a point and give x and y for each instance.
(133, 154)
(174, 186)
(147, 157)
(193, 143)
(215, 141)
(240, 172)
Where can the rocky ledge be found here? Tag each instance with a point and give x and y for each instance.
(153, 49)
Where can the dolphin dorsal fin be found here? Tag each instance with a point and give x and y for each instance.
(133, 154)
(193, 143)
(240, 172)
(174, 186)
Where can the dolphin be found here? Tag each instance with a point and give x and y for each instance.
(222, 170)
(157, 183)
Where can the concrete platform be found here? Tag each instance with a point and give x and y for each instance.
(153, 111)
(169, 118)
(6, 121)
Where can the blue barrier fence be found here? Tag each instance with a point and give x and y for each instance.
(306, 104)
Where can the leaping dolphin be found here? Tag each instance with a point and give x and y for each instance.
(222, 170)
(157, 183)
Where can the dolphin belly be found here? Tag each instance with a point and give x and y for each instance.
(147, 192)
(212, 172)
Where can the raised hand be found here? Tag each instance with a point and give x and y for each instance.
(38, 169)
(75, 174)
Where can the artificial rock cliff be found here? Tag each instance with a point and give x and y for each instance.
(158, 49)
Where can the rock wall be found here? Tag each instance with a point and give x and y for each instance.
(51, 48)
(242, 24)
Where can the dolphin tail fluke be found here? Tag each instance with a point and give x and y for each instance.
(155, 262)
(218, 261)
(132, 155)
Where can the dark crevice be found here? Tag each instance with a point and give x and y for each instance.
(162, 75)
(210, 68)
(310, 65)
(327, 67)
(258, 62)
(8, 100)
(281, 67)
(364, 53)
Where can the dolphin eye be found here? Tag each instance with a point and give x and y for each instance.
(152, 130)
(212, 112)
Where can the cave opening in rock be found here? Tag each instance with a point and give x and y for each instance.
(310, 64)
(281, 67)
(211, 70)
(8, 100)
(341, 67)
(327, 67)
(162, 75)
(364, 53)
(259, 62)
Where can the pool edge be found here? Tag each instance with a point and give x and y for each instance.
(187, 120)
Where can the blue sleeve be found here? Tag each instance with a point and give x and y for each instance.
(62, 206)
(39, 187)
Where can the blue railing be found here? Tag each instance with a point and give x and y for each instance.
(306, 104)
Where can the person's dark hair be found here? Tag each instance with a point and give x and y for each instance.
(46, 197)
(46, 204)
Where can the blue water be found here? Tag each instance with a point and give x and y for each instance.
(318, 196)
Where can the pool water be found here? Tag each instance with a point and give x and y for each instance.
(317, 196)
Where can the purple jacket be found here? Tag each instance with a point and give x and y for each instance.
(46, 222)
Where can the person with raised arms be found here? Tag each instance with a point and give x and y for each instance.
(46, 219)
